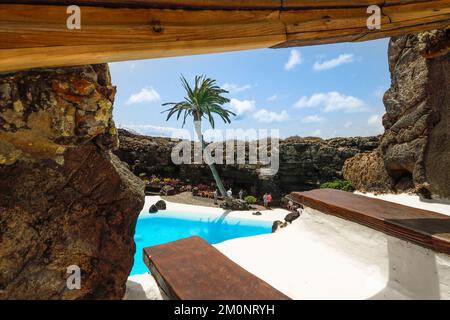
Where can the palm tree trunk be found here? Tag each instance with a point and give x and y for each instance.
(198, 130)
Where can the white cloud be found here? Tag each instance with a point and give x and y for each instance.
(333, 63)
(312, 119)
(272, 97)
(235, 88)
(264, 115)
(374, 120)
(241, 107)
(331, 101)
(295, 59)
(145, 95)
(151, 130)
(379, 92)
(347, 125)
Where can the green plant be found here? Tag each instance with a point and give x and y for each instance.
(250, 199)
(338, 184)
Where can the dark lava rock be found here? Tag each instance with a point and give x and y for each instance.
(278, 225)
(160, 205)
(291, 216)
(65, 199)
(235, 205)
(153, 209)
(304, 163)
(257, 213)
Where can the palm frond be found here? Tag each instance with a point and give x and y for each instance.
(204, 100)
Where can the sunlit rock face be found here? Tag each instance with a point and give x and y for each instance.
(367, 173)
(65, 199)
(415, 148)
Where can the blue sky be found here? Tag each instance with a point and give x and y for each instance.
(326, 91)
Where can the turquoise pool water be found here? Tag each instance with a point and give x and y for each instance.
(166, 226)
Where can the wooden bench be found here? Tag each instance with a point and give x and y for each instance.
(426, 228)
(192, 269)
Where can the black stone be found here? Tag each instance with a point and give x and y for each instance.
(292, 216)
(153, 209)
(160, 205)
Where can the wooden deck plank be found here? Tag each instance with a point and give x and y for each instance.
(423, 227)
(192, 269)
(34, 33)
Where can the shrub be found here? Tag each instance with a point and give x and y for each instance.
(338, 184)
(250, 199)
(174, 182)
(202, 187)
(155, 180)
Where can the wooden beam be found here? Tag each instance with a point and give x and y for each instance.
(425, 228)
(163, 4)
(363, 34)
(218, 4)
(36, 35)
(20, 59)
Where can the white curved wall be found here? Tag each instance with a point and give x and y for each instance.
(321, 256)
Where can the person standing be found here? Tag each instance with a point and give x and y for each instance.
(241, 194)
(265, 200)
(216, 195)
(229, 193)
(269, 200)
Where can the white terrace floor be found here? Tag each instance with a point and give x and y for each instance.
(323, 257)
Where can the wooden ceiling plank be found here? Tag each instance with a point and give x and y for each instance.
(167, 4)
(363, 34)
(417, 10)
(26, 58)
(20, 27)
(36, 35)
(325, 19)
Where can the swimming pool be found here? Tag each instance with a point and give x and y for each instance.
(169, 226)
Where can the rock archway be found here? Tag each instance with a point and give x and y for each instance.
(65, 199)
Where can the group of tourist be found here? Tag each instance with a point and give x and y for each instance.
(267, 199)
(291, 206)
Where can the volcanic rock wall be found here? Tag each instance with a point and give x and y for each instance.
(415, 148)
(65, 199)
(304, 162)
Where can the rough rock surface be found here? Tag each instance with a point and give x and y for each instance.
(367, 173)
(415, 147)
(304, 162)
(153, 209)
(161, 205)
(290, 217)
(65, 199)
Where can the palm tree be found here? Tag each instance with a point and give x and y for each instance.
(202, 101)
